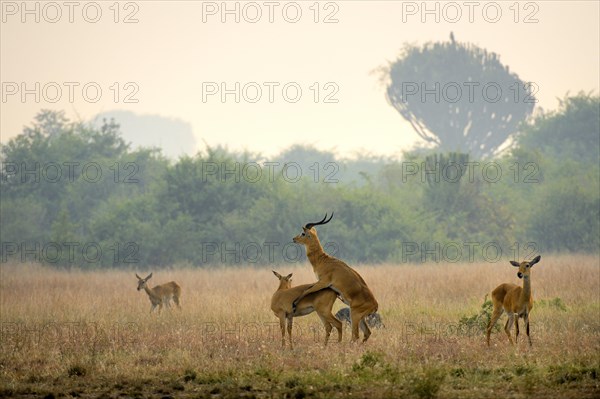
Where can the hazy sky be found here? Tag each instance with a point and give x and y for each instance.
(173, 53)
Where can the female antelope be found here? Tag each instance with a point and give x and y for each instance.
(161, 294)
(321, 302)
(516, 301)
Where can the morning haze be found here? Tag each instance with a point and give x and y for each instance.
(195, 194)
(169, 53)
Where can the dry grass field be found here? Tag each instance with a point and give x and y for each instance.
(90, 334)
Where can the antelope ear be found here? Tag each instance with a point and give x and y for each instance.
(289, 276)
(276, 274)
(139, 278)
(515, 264)
(535, 260)
(149, 277)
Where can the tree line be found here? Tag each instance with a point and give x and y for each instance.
(76, 195)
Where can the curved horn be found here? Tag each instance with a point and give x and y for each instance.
(323, 221)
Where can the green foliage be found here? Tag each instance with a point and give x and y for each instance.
(477, 323)
(451, 167)
(189, 375)
(555, 303)
(292, 382)
(565, 374)
(368, 361)
(571, 132)
(443, 191)
(426, 383)
(457, 120)
(58, 174)
(567, 217)
(460, 202)
(147, 210)
(557, 189)
(77, 370)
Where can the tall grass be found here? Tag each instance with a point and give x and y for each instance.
(92, 332)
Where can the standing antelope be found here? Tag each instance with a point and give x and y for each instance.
(161, 294)
(337, 275)
(321, 302)
(516, 301)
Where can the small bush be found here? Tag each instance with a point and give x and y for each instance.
(458, 372)
(292, 382)
(426, 384)
(554, 303)
(567, 374)
(478, 322)
(77, 370)
(189, 375)
(522, 370)
(300, 393)
(368, 361)
(177, 386)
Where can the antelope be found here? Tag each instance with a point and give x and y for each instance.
(516, 301)
(337, 275)
(161, 294)
(321, 302)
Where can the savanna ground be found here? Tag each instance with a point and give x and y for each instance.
(89, 334)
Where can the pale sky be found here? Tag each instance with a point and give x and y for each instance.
(170, 54)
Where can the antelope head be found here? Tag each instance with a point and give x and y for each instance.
(525, 267)
(142, 281)
(284, 282)
(309, 234)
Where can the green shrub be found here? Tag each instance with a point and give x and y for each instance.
(77, 370)
(477, 323)
(426, 384)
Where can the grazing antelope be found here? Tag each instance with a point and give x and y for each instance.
(337, 275)
(373, 320)
(161, 294)
(516, 301)
(321, 302)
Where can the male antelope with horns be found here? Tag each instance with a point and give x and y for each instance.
(337, 275)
